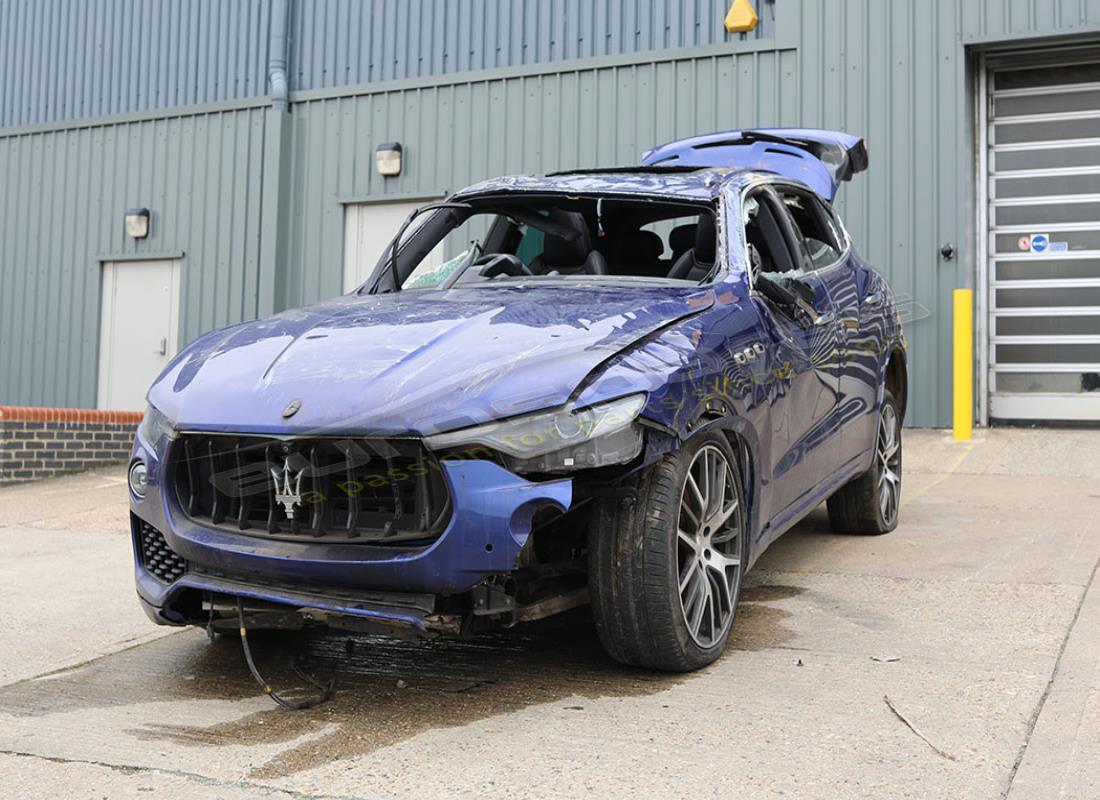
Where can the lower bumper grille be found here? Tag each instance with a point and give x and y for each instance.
(343, 490)
(156, 556)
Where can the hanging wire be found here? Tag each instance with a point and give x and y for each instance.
(324, 690)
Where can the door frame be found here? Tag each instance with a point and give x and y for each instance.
(982, 180)
(108, 266)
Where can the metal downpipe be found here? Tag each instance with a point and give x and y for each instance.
(276, 65)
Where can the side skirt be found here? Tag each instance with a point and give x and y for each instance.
(809, 500)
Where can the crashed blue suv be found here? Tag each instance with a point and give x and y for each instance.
(608, 387)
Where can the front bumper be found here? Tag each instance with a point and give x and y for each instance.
(492, 513)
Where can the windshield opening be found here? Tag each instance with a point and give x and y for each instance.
(559, 237)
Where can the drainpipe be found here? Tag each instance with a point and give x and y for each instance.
(276, 64)
(272, 279)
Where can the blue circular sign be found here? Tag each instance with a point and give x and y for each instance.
(1039, 243)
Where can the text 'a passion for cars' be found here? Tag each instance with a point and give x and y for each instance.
(610, 387)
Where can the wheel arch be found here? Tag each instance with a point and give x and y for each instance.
(896, 378)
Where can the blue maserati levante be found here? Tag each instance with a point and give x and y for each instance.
(610, 387)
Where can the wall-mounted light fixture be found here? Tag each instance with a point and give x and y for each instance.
(137, 223)
(387, 157)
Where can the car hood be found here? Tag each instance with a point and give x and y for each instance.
(413, 362)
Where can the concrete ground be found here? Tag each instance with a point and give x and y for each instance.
(957, 657)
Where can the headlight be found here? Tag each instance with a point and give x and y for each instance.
(154, 425)
(555, 441)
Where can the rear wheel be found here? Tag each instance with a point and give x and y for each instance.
(870, 503)
(665, 568)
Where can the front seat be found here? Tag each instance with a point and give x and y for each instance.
(636, 252)
(681, 239)
(568, 257)
(696, 263)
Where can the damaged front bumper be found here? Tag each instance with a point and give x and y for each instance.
(491, 520)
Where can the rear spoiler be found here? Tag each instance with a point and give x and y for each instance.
(820, 159)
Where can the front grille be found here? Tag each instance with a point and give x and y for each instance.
(347, 490)
(156, 556)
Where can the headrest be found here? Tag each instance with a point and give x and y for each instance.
(559, 252)
(643, 246)
(631, 246)
(706, 239)
(681, 239)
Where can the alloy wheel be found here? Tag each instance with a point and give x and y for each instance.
(889, 456)
(709, 546)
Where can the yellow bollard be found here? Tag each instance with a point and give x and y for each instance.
(964, 364)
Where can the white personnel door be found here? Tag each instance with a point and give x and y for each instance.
(368, 229)
(139, 319)
(1044, 238)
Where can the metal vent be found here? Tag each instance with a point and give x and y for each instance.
(346, 490)
(157, 557)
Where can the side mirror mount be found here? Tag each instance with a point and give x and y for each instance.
(793, 294)
(775, 291)
(802, 291)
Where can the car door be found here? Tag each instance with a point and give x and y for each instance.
(828, 255)
(803, 354)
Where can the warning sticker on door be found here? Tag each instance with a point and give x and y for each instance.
(1024, 243)
(1040, 242)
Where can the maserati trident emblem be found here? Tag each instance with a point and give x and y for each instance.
(288, 487)
(291, 408)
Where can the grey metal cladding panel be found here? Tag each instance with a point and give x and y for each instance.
(201, 179)
(350, 42)
(991, 19)
(63, 60)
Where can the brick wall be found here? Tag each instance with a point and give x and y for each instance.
(43, 442)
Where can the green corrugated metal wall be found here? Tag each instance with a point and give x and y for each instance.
(893, 71)
(61, 213)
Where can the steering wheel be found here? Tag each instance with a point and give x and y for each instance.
(496, 264)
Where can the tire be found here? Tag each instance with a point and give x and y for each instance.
(870, 503)
(639, 547)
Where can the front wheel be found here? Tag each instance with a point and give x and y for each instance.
(665, 567)
(870, 502)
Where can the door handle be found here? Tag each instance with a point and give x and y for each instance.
(163, 346)
(873, 299)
